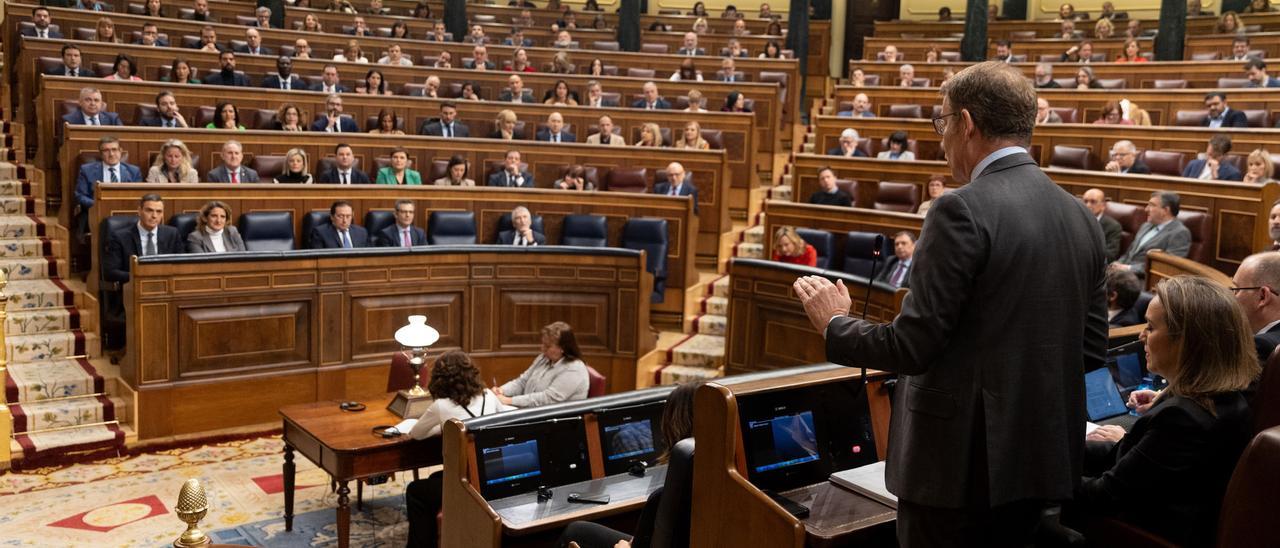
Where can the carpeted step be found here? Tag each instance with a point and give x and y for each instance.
(34, 381)
(26, 294)
(698, 351)
(720, 287)
(63, 413)
(19, 205)
(70, 440)
(51, 346)
(21, 226)
(674, 374)
(782, 192)
(710, 324)
(25, 247)
(749, 250)
(14, 187)
(31, 268)
(753, 235)
(715, 305)
(41, 320)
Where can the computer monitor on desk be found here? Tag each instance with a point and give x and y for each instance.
(629, 435)
(522, 457)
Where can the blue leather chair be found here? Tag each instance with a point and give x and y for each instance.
(267, 230)
(375, 221)
(859, 253)
(311, 220)
(651, 236)
(185, 223)
(824, 243)
(585, 230)
(504, 223)
(451, 228)
(111, 294)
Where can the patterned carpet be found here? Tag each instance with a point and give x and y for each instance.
(129, 501)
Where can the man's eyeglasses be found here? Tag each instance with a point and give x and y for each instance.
(1268, 288)
(940, 122)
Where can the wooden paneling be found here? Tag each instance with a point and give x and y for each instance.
(914, 50)
(228, 342)
(1198, 74)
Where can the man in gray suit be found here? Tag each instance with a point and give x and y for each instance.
(231, 170)
(1162, 231)
(1007, 308)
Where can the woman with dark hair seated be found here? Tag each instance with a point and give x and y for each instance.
(575, 179)
(124, 69)
(1168, 474)
(455, 174)
(458, 393)
(557, 374)
(735, 102)
(225, 116)
(677, 424)
(898, 143)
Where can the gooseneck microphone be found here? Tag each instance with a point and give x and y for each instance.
(876, 255)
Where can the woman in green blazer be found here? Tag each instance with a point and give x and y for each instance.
(398, 173)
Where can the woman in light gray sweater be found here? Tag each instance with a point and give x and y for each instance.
(557, 374)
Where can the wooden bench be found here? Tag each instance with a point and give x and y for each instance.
(1198, 74)
(913, 50)
(997, 30)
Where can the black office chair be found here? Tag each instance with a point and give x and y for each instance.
(451, 228)
(651, 236)
(185, 223)
(111, 294)
(859, 253)
(585, 230)
(671, 521)
(310, 220)
(375, 221)
(267, 230)
(823, 242)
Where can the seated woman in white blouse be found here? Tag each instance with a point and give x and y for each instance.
(557, 374)
(212, 233)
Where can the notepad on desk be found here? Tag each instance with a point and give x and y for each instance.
(867, 481)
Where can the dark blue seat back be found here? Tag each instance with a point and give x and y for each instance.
(823, 242)
(651, 236)
(110, 299)
(109, 225)
(375, 221)
(859, 253)
(451, 228)
(267, 230)
(185, 223)
(671, 520)
(585, 230)
(310, 220)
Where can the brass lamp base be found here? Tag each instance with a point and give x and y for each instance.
(407, 405)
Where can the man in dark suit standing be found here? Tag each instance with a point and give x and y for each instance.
(511, 174)
(1096, 201)
(227, 76)
(1221, 115)
(90, 112)
(554, 132)
(70, 64)
(402, 233)
(989, 344)
(521, 233)
(651, 99)
(343, 171)
(1162, 231)
(339, 232)
(1124, 159)
(678, 183)
(447, 125)
(148, 237)
(897, 270)
(41, 19)
(1255, 284)
(284, 78)
(1211, 167)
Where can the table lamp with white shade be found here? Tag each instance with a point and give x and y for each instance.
(417, 337)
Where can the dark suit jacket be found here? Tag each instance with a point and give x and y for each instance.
(390, 236)
(1226, 172)
(974, 320)
(1111, 234)
(857, 152)
(320, 87)
(262, 50)
(565, 137)
(500, 179)
(1169, 473)
(1232, 118)
(91, 173)
(221, 174)
(159, 43)
(198, 241)
(1174, 239)
(331, 177)
(526, 43)
(1139, 168)
(152, 121)
(488, 65)
(325, 236)
(1133, 315)
(126, 242)
(104, 118)
(1266, 343)
(61, 70)
(885, 274)
(661, 104)
(295, 82)
(686, 189)
(344, 122)
(508, 237)
(437, 129)
(53, 33)
(685, 51)
(215, 79)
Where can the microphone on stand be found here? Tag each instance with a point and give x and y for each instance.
(876, 255)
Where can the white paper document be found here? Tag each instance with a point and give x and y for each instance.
(867, 481)
(405, 426)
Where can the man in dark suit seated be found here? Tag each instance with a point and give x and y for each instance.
(963, 369)
(339, 232)
(284, 78)
(555, 132)
(678, 183)
(1220, 114)
(595, 96)
(1096, 201)
(690, 45)
(1256, 71)
(516, 38)
(359, 27)
(516, 92)
(150, 36)
(479, 59)
(209, 41)
(168, 115)
(828, 193)
(651, 100)
(895, 272)
(70, 64)
(1162, 231)
(41, 19)
(402, 233)
(343, 171)
(90, 112)
(848, 146)
(1211, 167)
(333, 121)
(200, 11)
(447, 125)
(149, 237)
(231, 170)
(1123, 291)
(1255, 284)
(227, 76)
(253, 43)
(1124, 159)
(511, 175)
(110, 169)
(330, 81)
(521, 233)
(261, 17)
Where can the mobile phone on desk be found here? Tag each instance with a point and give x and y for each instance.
(589, 498)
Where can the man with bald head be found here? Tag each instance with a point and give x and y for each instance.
(1124, 159)
(554, 131)
(678, 183)
(1257, 288)
(480, 59)
(690, 45)
(1096, 201)
(861, 108)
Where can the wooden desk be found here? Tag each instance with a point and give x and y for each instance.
(523, 515)
(343, 444)
(1198, 74)
(1002, 29)
(840, 517)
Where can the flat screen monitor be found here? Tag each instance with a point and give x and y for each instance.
(519, 458)
(1102, 396)
(629, 435)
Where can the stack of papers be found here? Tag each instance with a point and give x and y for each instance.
(867, 481)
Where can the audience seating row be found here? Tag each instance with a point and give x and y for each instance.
(1017, 29)
(1209, 73)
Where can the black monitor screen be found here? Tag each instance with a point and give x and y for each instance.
(511, 462)
(783, 441)
(629, 435)
(631, 439)
(518, 458)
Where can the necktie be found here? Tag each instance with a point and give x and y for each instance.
(898, 273)
(649, 106)
(235, 179)
(343, 177)
(1148, 236)
(555, 137)
(114, 178)
(43, 33)
(675, 191)
(511, 181)
(404, 237)
(93, 120)
(151, 243)
(72, 73)
(284, 83)
(337, 128)
(346, 240)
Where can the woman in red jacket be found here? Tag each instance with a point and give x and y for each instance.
(789, 247)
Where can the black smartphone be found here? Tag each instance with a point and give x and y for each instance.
(588, 498)
(792, 507)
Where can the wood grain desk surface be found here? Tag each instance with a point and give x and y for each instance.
(345, 431)
(835, 511)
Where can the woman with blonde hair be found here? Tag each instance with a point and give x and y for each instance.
(650, 135)
(1261, 169)
(214, 233)
(691, 137)
(106, 31)
(1169, 472)
(789, 247)
(1103, 29)
(173, 164)
(504, 125)
(700, 26)
(352, 53)
(696, 102)
(1230, 23)
(295, 168)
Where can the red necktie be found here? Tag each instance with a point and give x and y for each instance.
(234, 179)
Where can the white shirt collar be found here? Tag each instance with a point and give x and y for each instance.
(1268, 327)
(991, 159)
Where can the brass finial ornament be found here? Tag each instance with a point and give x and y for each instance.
(192, 507)
(417, 336)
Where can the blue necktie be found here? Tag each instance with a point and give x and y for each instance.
(346, 240)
